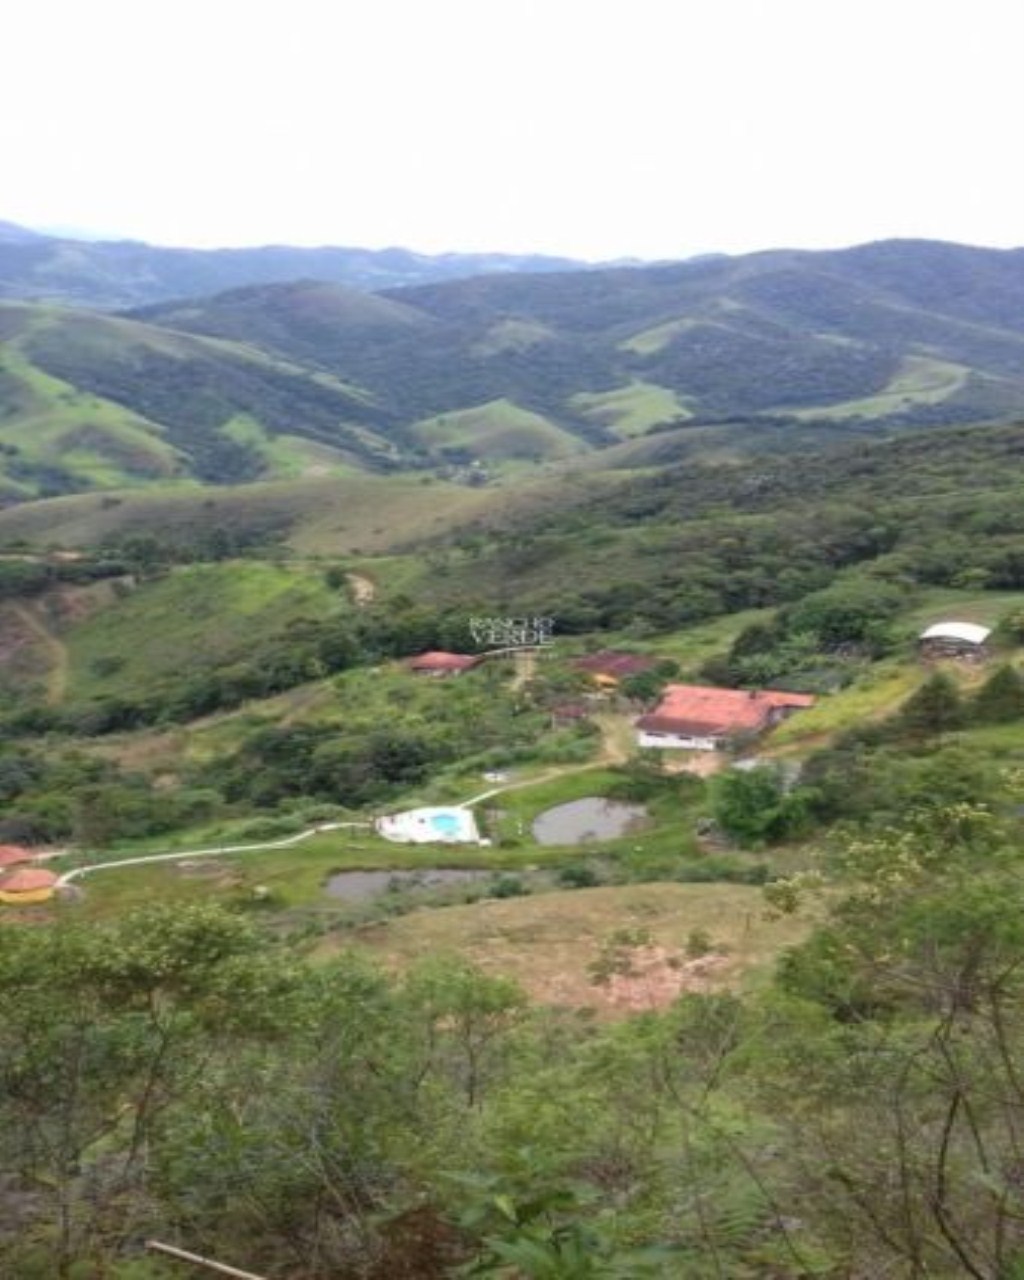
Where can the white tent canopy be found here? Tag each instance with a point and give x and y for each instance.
(971, 632)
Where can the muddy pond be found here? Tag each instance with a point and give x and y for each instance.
(357, 886)
(592, 818)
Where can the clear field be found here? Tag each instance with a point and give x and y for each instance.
(650, 341)
(630, 410)
(499, 431)
(290, 457)
(511, 335)
(332, 516)
(193, 618)
(920, 380)
(51, 422)
(548, 941)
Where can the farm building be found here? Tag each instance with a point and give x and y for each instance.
(955, 640)
(701, 718)
(13, 855)
(22, 885)
(609, 667)
(567, 713)
(440, 664)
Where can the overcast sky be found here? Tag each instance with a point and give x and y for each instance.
(593, 128)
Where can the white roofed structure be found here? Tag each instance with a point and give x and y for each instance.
(964, 632)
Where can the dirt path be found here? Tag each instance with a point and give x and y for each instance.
(57, 677)
(525, 667)
(217, 851)
(364, 590)
(618, 737)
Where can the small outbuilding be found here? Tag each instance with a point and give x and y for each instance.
(611, 666)
(24, 885)
(439, 664)
(965, 640)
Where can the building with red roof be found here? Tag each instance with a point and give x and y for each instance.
(701, 718)
(27, 884)
(611, 665)
(439, 663)
(13, 855)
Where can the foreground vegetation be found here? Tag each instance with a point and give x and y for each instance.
(177, 1073)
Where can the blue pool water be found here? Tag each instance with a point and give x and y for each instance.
(446, 823)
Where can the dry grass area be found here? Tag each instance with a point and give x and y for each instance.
(549, 942)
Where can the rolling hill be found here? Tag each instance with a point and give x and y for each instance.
(900, 333)
(94, 401)
(605, 368)
(108, 275)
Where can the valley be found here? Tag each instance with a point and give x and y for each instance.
(346, 923)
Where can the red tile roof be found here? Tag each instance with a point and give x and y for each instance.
(438, 660)
(701, 711)
(27, 880)
(611, 663)
(12, 854)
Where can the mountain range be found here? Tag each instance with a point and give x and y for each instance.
(503, 373)
(111, 274)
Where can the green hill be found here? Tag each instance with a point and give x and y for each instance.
(90, 401)
(498, 432)
(898, 333)
(768, 352)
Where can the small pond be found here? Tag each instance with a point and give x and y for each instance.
(592, 818)
(356, 886)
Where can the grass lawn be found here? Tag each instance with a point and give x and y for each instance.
(878, 693)
(295, 876)
(693, 645)
(547, 941)
(949, 605)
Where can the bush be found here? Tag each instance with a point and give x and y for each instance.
(580, 875)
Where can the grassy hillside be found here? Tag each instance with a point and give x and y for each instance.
(333, 516)
(859, 335)
(498, 432)
(766, 352)
(89, 401)
(631, 410)
(202, 616)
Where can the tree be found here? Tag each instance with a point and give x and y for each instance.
(935, 708)
(1001, 698)
(753, 805)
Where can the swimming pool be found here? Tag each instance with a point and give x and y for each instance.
(430, 826)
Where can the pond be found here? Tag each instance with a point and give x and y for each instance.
(592, 818)
(356, 886)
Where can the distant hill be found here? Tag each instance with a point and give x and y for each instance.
(113, 274)
(900, 332)
(11, 233)
(481, 379)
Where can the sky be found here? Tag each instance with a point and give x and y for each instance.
(597, 129)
